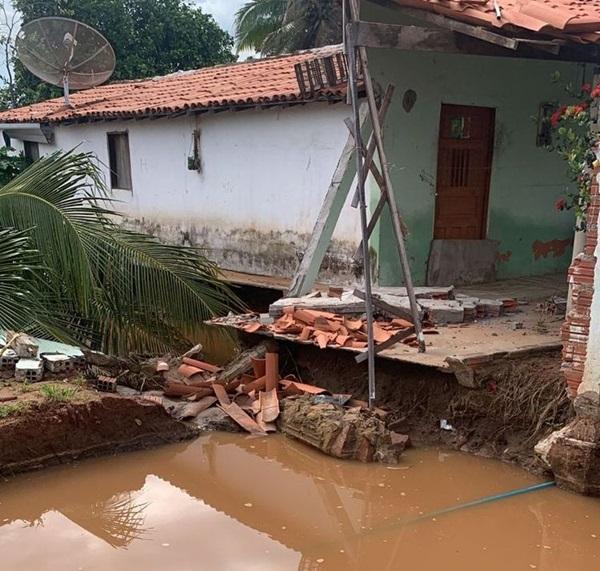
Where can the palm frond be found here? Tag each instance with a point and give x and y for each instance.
(255, 20)
(281, 26)
(104, 286)
(16, 294)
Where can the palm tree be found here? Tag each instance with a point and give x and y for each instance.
(283, 26)
(69, 271)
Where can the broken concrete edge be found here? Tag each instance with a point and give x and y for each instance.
(469, 369)
(572, 453)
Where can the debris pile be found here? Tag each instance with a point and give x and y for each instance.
(350, 433)
(337, 319)
(327, 329)
(28, 359)
(251, 392)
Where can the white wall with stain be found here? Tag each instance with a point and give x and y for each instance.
(253, 205)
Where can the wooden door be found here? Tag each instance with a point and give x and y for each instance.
(463, 175)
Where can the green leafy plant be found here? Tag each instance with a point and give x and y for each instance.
(282, 26)
(10, 409)
(11, 164)
(57, 393)
(69, 271)
(575, 141)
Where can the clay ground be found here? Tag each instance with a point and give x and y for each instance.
(60, 421)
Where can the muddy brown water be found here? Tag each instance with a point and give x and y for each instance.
(231, 502)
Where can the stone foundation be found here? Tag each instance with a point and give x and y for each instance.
(573, 453)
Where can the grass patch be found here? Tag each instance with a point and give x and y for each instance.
(58, 393)
(9, 409)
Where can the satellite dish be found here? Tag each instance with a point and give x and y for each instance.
(66, 53)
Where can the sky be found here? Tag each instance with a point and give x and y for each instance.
(222, 10)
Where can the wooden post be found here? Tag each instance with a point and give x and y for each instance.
(339, 188)
(394, 210)
(361, 177)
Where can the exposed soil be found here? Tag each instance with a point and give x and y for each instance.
(38, 431)
(519, 403)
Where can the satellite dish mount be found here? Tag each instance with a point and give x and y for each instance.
(66, 53)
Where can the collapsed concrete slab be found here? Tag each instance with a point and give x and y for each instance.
(352, 433)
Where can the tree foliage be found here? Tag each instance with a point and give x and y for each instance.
(69, 271)
(11, 164)
(150, 37)
(283, 26)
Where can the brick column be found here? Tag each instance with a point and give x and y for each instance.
(576, 329)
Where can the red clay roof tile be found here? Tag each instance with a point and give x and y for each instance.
(579, 19)
(258, 82)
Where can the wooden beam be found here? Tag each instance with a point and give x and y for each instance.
(373, 222)
(383, 109)
(461, 27)
(335, 198)
(378, 35)
(387, 344)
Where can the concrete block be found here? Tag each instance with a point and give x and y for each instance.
(461, 262)
(29, 370)
(442, 312)
(8, 360)
(106, 384)
(58, 363)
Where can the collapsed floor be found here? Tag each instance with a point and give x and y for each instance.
(519, 402)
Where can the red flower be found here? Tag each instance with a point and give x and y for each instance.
(560, 204)
(557, 116)
(586, 88)
(580, 108)
(596, 91)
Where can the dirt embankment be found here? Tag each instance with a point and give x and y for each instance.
(519, 402)
(68, 422)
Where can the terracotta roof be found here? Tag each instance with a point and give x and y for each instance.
(259, 82)
(575, 19)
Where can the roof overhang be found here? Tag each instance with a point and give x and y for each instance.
(32, 132)
(445, 32)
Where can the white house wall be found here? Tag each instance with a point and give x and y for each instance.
(253, 205)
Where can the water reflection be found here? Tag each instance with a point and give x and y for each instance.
(234, 502)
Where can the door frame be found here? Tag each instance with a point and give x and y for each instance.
(488, 176)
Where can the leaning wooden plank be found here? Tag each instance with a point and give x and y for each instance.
(372, 146)
(241, 418)
(242, 363)
(396, 338)
(335, 198)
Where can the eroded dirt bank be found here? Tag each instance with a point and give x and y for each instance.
(519, 402)
(68, 422)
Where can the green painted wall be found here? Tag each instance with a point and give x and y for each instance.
(526, 180)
